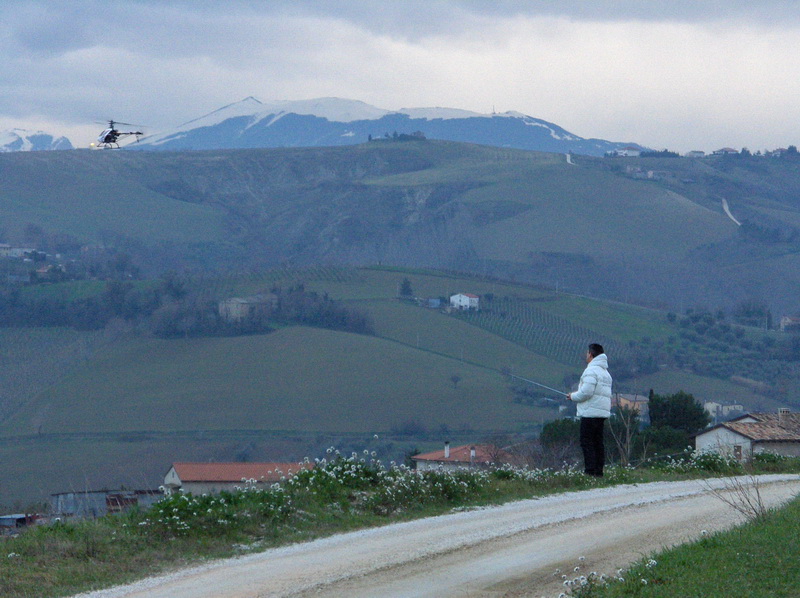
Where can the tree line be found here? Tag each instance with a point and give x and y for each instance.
(674, 419)
(173, 307)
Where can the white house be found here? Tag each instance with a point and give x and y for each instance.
(210, 478)
(465, 301)
(790, 323)
(7, 250)
(626, 152)
(475, 456)
(752, 434)
(237, 309)
(722, 410)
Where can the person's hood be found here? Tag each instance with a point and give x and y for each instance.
(600, 361)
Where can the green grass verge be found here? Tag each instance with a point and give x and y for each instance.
(757, 560)
(337, 496)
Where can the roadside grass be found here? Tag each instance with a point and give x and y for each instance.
(758, 560)
(337, 495)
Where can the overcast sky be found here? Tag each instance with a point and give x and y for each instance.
(679, 74)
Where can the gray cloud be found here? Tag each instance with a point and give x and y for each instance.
(688, 73)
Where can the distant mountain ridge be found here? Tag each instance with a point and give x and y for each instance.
(251, 123)
(20, 140)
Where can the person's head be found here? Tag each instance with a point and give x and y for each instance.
(594, 351)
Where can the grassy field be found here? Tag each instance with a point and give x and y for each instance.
(293, 379)
(34, 359)
(757, 560)
(87, 401)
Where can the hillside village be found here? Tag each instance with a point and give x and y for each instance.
(639, 171)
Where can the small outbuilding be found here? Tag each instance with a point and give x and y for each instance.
(753, 434)
(12, 522)
(210, 478)
(96, 503)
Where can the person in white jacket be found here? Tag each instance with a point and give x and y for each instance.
(594, 408)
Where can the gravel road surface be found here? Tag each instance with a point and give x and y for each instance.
(510, 551)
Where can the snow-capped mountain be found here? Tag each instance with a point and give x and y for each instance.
(251, 123)
(20, 140)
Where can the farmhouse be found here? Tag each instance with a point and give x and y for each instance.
(723, 410)
(7, 250)
(210, 478)
(237, 309)
(636, 402)
(658, 175)
(753, 434)
(477, 455)
(629, 152)
(464, 301)
(790, 324)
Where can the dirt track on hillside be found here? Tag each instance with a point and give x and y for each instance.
(512, 551)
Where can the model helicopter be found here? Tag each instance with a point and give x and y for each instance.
(110, 137)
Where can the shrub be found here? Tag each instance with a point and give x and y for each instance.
(183, 514)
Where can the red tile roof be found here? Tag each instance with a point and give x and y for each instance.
(236, 472)
(768, 427)
(484, 453)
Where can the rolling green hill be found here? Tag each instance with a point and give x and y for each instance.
(91, 403)
(118, 406)
(598, 227)
(88, 199)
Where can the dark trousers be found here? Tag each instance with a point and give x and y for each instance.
(594, 452)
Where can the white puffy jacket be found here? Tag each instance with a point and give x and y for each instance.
(594, 391)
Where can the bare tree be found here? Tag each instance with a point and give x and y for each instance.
(741, 493)
(624, 426)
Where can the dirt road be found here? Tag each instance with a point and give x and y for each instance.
(510, 551)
